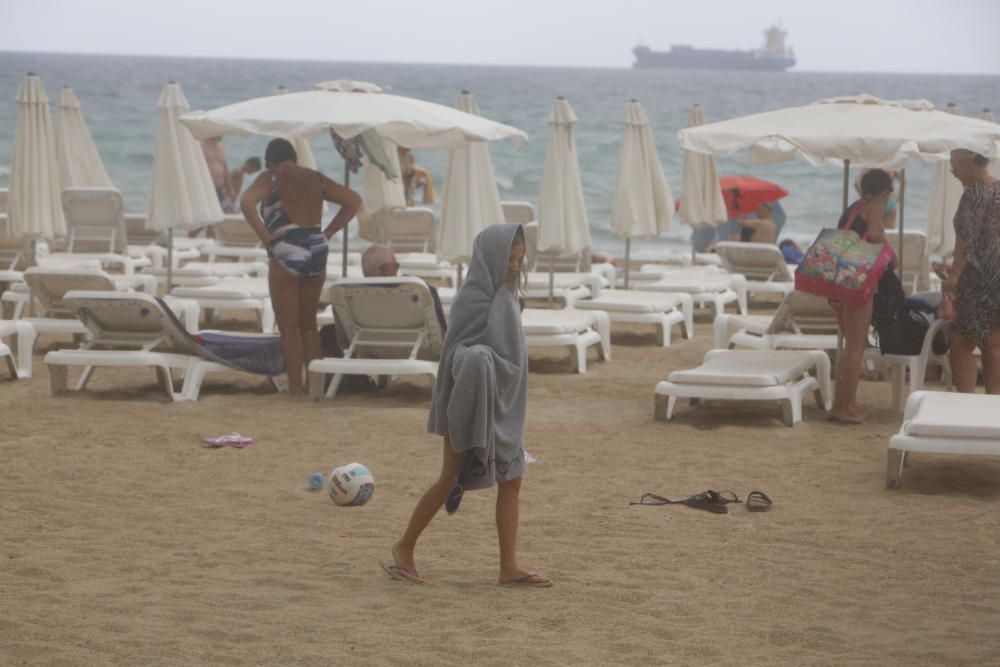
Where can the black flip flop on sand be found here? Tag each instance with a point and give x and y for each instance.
(757, 501)
(710, 501)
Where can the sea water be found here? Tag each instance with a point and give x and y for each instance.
(118, 95)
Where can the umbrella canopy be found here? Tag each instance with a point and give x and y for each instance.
(745, 194)
(987, 115)
(701, 201)
(643, 204)
(381, 192)
(470, 201)
(34, 206)
(349, 108)
(942, 202)
(866, 130)
(80, 164)
(562, 213)
(181, 193)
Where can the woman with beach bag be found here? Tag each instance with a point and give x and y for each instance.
(845, 265)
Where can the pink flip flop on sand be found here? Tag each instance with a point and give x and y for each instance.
(400, 573)
(227, 440)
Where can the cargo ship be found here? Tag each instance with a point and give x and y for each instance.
(773, 57)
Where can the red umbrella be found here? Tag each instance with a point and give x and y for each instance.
(745, 194)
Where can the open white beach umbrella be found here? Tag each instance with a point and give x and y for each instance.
(34, 204)
(987, 115)
(181, 194)
(643, 205)
(303, 151)
(862, 130)
(80, 164)
(942, 202)
(350, 109)
(470, 200)
(562, 213)
(701, 198)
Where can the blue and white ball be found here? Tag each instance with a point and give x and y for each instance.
(351, 485)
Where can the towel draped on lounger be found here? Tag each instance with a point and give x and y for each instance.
(481, 391)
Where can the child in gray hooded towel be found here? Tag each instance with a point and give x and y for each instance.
(479, 402)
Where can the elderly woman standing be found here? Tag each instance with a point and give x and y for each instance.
(974, 279)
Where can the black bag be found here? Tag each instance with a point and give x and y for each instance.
(900, 326)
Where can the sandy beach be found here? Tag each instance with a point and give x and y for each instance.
(127, 543)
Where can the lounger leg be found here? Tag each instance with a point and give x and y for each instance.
(25, 341)
(334, 385)
(57, 379)
(84, 378)
(720, 327)
(660, 410)
(898, 375)
(787, 412)
(687, 309)
(316, 385)
(193, 376)
(894, 468)
(10, 365)
(165, 380)
(671, 406)
(267, 317)
(581, 357)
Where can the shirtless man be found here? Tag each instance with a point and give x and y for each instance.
(215, 156)
(251, 166)
(760, 229)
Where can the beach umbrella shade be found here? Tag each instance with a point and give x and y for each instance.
(80, 164)
(562, 213)
(34, 205)
(862, 130)
(181, 194)
(701, 200)
(470, 201)
(987, 115)
(350, 109)
(745, 194)
(942, 202)
(303, 151)
(643, 205)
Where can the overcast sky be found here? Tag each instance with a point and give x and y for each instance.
(847, 35)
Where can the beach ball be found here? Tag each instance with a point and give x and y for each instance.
(351, 485)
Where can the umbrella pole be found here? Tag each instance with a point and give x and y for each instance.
(347, 184)
(170, 259)
(552, 278)
(847, 179)
(902, 208)
(628, 248)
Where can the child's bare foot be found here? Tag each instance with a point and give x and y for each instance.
(518, 577)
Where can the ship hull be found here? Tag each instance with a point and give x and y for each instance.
(710, 60)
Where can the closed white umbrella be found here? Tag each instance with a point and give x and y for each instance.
(942, 202)
(643, 205)
(80, 164)
(351, 109)
(181, 193)
(34, 206)
(701, 197)
(562, 212)
(470, 200)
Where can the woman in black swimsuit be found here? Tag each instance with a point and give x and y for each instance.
(866, 217)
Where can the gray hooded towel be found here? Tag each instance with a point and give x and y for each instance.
(481, 391)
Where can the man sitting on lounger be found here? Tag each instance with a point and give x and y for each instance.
(380, 261)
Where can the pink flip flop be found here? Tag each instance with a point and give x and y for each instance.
(227, 440)
(530, 580)
(400, 573)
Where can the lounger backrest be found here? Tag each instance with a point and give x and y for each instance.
(518, 211)
(407, 229)
(756, 261)
(11, 251)
(96, 220)
(916, 264)
(385, 317)
(50, 286)
(538, 261)
(235, 231)
(122, 320)
(804, 313)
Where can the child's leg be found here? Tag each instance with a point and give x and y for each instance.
(508, 505)
(427, 507)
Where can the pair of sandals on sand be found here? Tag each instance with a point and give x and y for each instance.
(716, 502)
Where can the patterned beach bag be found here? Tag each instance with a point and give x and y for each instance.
(842, 266)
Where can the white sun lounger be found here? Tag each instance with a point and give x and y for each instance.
(762, 264)
(426, 265)
(708, 287)
(234, 239)
(132, 330)
(407, 230)
(250, 294)
(751, 375)
(916, 261)
(568, 287)
(389, 322)
(908, 371)
(576, 329)
(199, 274)
(944, 423)
(661, 309)
(22, 334)
(802, 322)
